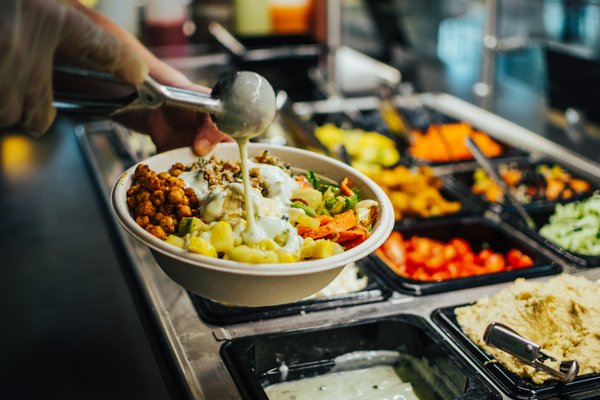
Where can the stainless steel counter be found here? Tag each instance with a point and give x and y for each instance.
(194, 344)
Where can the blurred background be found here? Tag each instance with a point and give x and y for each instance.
(514, 57)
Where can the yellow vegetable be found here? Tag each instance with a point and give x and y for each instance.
(368, 150)
(176, 241)
(201, 246)
(307, 221)
(311, 197)
(326, 248)
(247, 254)
(308, 248)
(221, 236)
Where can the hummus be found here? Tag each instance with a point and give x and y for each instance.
(562, 315)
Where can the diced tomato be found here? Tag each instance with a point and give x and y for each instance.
(517, 259)
(461, 245)
(435, 263)
(421, 245)
(414, 260)
(393, 248)
(450, 252)
(421, 275)
(483, 256)
(495, 263)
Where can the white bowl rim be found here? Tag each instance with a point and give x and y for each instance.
(381, 230)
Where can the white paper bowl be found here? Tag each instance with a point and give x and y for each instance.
(248, 284)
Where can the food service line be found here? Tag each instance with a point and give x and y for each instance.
(194, 344)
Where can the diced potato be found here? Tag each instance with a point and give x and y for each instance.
(310, 222)
(221, 236)
(326, 248)
(308, 248)
(311, 197)
(176, 241)
(285, 257)
(264, 245)
(247, 254)
(201, 246)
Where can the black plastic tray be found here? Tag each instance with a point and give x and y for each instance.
(462, 182)
(221, 314)
(477, 230)
(583, 387)
(541, 217)
(254, 361)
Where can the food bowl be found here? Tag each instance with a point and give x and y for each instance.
(247, 284)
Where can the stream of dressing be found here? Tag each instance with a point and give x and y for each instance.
(250, 235)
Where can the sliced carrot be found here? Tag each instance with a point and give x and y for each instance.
(324, 219)
(341, 222)
(303, 230)
(352, 234)
(353, 243)
(345, 188)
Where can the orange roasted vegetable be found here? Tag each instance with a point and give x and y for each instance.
(425, 259)
(340, 223)
(446, 142)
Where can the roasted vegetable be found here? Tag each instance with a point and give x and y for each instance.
(446, 142)
(369, 151)
(414, 193)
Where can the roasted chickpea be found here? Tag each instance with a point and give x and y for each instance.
(158, 197)
(168, 224)
(146, 208)
(184, 211)
(142, 220)
(176, 195)
(142, 196)
(157, 231)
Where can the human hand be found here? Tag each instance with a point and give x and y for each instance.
(168, 127)
(33, 32)
(171, 127)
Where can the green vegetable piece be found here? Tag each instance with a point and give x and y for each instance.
(189, 225)
(351, 201)
(338, 206)
(312, 178)
(309, 211)
(326, 187)
(330, 202)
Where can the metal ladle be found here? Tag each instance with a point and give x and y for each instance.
(242, 104)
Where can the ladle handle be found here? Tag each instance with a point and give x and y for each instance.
(483, 161)
(150, 94)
